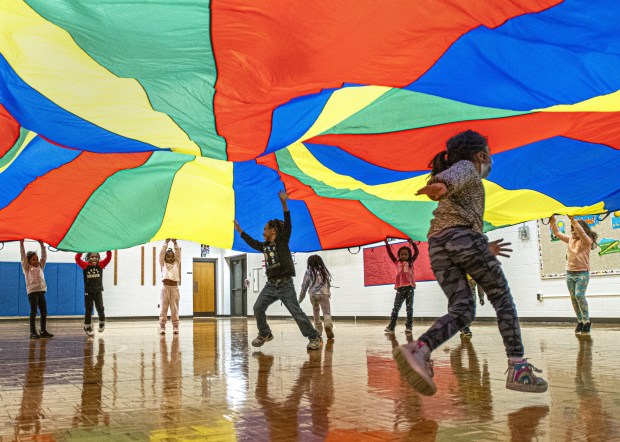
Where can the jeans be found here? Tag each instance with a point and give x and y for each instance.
(283, 290)
(577, 283)
(454, 253)
(37, 299)
(89, 298)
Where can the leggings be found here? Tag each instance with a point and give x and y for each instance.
(37, 299)
(402, 294)
(577, 283)
(454, 253)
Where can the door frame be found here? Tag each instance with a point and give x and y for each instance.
(215, 274)
(244, 257)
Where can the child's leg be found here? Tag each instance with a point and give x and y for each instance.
(265, 299)
(409, 306)
(164, 302)
(571, 282)
(88, 308)
(286, 293)
(580, 295)
(43, 310)
(33, 300)
(98, 298)
(174, 305)
(326, 308)
(484, 267)
(398, 302)
(316, 310)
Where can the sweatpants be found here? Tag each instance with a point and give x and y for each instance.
(454, 253)
(169, 299)
(89, 299)
(320, 302)
(37, 299)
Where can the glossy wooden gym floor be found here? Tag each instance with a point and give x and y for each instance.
(208, 383)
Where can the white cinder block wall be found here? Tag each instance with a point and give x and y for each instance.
(349, 297)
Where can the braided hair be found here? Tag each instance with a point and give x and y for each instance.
(462, 146)
(317, 268)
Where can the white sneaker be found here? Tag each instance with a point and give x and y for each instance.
(416, 366)
(314, 344)
(329, 331)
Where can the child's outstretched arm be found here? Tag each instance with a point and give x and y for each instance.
(177, 250)
(43, 259)
(554, 228)
(388, 247)
(416, 251)
(80, 262)
(304, 287)
(256, 245)
(162, 252)
(23, 255)
(288, 226)
(105, 261)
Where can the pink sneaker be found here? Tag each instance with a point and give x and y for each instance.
(416, 366)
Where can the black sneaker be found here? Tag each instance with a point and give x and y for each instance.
(579, 328)
(34, 335)
(46, 334)
(466, 332)
(585, 330)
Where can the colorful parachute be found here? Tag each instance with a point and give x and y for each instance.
(126, 122)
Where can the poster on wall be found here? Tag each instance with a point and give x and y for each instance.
(604, 259)
(379, 268)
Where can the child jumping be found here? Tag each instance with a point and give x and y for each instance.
(170, 263)
(317, 282)
(92, 268)
(36, 288)
(280, 271)
(405, 284)
(581, 241)
(458, 247)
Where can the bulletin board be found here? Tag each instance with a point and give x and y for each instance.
(604, 260)
(379, 268)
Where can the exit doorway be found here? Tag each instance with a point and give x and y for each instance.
(204, 287)
(238, 289)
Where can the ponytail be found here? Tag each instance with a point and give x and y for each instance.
(439, 163)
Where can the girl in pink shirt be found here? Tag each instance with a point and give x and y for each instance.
(580, 242)
(405, 283)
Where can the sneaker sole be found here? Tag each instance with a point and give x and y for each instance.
(329, 332)
(527, 388)
(415, 379)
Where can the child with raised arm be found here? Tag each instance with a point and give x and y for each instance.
(170, 263)
(457, 247)
(404, 285)
(36, 287)
(581, 241)
(280, 271)
(317, 282)
(92, 268)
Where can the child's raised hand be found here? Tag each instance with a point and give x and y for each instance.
(571, 218)
(238, 227)
(499, 248)
(283, 195)
(434, 191)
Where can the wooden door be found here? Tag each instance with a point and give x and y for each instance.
(204, 288)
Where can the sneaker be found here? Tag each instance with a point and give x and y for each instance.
(162, 330)
(175, 330)
(34, 335)
(101, 327)
(408, 331)
(46, 334)
(586, 328)
(579, 328)
(314, 343)
(416, 367)
(329, 331)
(466, 332)
(521, 377)
(260, 340)
(388, 330)
(89, 330)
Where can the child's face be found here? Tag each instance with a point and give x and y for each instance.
(269, 233)
(93, 259)
(34, 261)
(169, 257)
(403, 255)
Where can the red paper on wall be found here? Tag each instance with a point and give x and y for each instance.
(379, 268)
